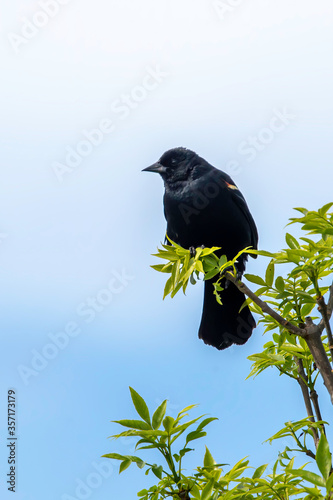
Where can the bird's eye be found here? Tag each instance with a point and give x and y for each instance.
(173, 161)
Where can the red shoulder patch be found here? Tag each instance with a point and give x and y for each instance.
(231, 186)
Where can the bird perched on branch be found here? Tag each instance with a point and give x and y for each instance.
(204, 207)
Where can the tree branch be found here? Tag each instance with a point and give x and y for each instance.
(330, 303)
(314, 399)
(317, 349)
(311, 333)
(265, 307)
(325, 322)
(305, 391)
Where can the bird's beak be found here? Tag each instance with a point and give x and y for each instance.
(155, 167)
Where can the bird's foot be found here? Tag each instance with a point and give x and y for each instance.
(193, 250)
(238, 276)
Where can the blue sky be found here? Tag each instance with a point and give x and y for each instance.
(91, 94)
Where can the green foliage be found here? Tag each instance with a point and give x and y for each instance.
(183, 267)
(293, 295)
(211, 481)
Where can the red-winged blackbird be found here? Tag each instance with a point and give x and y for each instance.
(204, 207)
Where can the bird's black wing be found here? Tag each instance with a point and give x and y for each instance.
(239, 200)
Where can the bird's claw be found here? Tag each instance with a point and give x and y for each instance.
(230, 269)
(238, 275)
(193, 252)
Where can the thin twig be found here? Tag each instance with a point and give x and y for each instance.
(311, 333)
(315, 402)
(305, 391)
(317, 349)
(322, 308)
(265, 307)
(330, 303)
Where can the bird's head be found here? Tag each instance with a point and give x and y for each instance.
(176, 165)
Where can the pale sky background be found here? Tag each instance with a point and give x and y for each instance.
(222, 80)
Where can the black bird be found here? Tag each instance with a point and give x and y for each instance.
(204, 207)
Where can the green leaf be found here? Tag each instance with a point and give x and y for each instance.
(158, 471)
(279, 284)
(246, 303)
(168, 287)
(329, 483)
(140, 406)
(223, 259)
(149, 440)
(306, 309)
(255, 279)
(142, 493)
(304, 211)
(288, 307)
(166, 255)
(307, 298)
(259, 472)
(205, 422)
(269, 277)
(323, 457)
(186, 409)
(199, 267)
(195, 492)
(210, 261)
(124, 465)
(208, 459)
(114, 456)
(291, 241)
(168, 424)
(195, 435)
(207, 491)
(138, 461)
(184, 451)
(159, 415)
(175, 273)
(311, 477)
(325, 209)
(133, 424)
(208, 251)
(261, 290)
(192, 280)
(211, 274)
(176, 289)
(261, 252)
(163, 268)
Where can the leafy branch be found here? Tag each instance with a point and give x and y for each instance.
(211, 481)
(288, 300)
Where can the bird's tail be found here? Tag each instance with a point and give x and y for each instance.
(223, 325)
